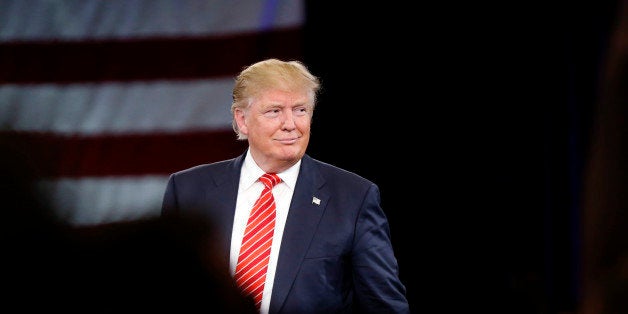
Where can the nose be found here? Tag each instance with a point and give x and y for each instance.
(288, 120)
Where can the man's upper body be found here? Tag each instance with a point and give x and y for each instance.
(332, 251)
(336, 254)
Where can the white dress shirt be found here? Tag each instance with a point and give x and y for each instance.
(248, 192)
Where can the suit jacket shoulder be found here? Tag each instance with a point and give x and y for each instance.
(334, 173)
(216, 171)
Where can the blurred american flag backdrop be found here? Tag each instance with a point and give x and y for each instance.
(112, 96)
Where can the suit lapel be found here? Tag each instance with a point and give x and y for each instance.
(306, 209)
(222, 198)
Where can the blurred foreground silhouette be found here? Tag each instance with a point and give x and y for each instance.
(605, 217)
(157, 264)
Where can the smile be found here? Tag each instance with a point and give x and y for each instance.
(288, 140)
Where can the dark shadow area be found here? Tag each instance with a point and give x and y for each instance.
(474, 119)
(164, 264)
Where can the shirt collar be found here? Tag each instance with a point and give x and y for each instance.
(251, 172)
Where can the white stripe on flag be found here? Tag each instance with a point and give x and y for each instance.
(90, 201)
(31, 20)
(134, 107)
(108, 109)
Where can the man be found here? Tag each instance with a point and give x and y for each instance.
(330, 250)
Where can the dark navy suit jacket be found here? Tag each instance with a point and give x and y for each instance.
(336, 255)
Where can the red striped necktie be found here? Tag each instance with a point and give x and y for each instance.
(250, 272)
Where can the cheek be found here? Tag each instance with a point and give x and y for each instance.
(304, 124)
(263, 128)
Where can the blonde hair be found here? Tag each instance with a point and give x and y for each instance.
(271, 74)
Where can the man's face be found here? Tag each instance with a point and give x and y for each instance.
(278, 128)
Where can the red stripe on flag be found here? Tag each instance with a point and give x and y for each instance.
(149, 59)
(111, 155)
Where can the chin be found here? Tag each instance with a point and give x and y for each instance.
(291, 156)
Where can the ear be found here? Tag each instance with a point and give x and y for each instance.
(240, 117)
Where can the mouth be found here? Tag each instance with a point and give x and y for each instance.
(288, 141)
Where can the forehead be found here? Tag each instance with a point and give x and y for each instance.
(282, 97)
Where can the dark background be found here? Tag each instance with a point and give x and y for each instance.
(474, 120)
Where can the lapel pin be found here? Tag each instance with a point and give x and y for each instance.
(316, 201)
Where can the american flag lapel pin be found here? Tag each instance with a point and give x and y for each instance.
(315, 200)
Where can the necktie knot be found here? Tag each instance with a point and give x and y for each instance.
(270, 180)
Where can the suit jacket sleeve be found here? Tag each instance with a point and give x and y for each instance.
(375, 270)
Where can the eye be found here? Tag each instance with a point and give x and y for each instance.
(300, 111)
(272, 113)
